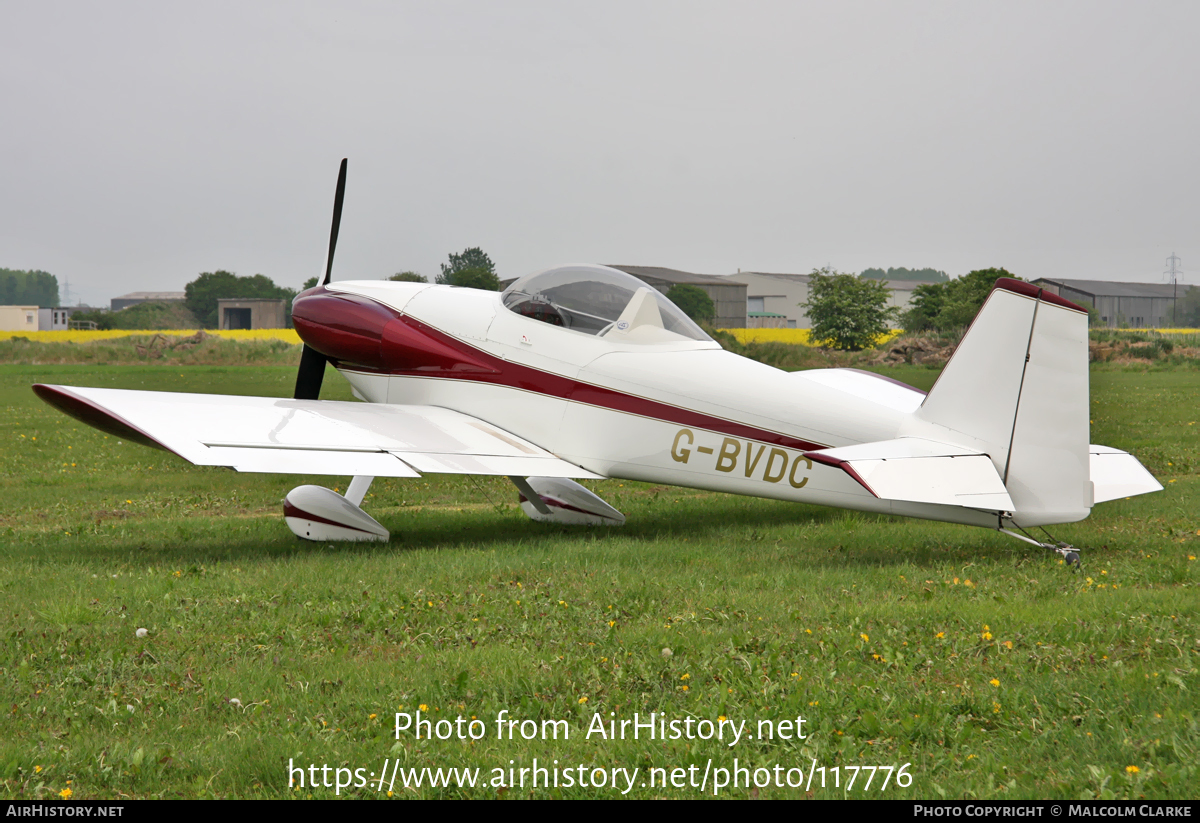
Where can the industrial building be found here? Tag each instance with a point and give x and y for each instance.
(773, 299)
(252, 313)
(1121, 305)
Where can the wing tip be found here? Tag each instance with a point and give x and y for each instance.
(94, 415)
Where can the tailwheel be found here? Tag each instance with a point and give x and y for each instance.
(1069, 554)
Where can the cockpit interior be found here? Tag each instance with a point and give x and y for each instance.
(600, 301)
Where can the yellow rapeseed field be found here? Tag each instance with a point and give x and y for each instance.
(794, 336)
(287, 335)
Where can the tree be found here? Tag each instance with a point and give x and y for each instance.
(472, 269)
(408, 277)
(694, 302)
(309, 283)
(203, 293)
(952, 305)
(28, 288)
(1093, 312)
(846, 311)
(473, 279)
(924, 307)
(1188, 313)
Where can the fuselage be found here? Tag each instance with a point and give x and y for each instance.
(661, 409)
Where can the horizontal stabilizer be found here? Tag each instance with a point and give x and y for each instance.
(1117, 474)
(916, 470)
(285, 436)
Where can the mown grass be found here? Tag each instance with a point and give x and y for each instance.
(990, 668)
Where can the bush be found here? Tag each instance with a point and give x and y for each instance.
(694, 302)
(846, 311)
(205, 290)
(951, 305)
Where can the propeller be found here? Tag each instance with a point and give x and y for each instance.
(312, 362)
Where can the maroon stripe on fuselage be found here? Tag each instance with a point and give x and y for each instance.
(844, 465)
(517, 376)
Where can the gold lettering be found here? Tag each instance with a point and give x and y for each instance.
(792, 475)
(681, 455)
(729, 451)
(783, 464)
(751, 465)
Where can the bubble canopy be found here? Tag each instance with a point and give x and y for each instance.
(601, 301)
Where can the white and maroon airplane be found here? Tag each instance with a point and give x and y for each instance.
(586, 372)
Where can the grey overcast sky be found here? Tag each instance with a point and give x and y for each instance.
(144, 143)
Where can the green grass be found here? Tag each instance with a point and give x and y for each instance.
(884, 634)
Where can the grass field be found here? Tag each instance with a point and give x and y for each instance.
(989, 668)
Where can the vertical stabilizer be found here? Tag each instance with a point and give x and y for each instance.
(1017, 389)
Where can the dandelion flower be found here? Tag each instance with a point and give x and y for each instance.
(583, 699)
(1132, 769)
(65, 794)
(865, 638)
(423, 708)
(995, 682)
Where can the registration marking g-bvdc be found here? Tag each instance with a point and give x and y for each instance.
(775, 464)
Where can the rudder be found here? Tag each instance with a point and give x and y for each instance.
(1017, 389)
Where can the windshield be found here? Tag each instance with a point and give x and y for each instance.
(601, 301)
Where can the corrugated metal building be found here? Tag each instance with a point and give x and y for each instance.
(772, 294)
(1137, 305)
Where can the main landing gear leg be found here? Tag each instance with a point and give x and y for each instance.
(1069, 553)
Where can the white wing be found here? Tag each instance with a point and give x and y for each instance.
(277, 435)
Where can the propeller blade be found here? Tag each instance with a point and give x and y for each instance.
(312, 363)
(337, 220)
(310, 375)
